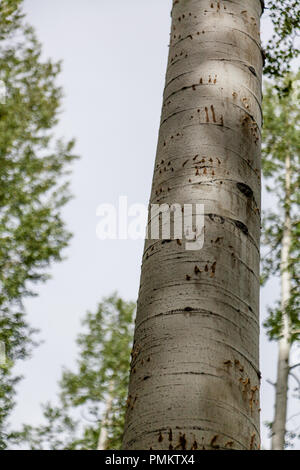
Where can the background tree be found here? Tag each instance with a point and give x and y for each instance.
(92, 400)
(33, 184)
(281, 168)
(283, 47)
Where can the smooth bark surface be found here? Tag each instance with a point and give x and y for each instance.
(284, 344)
(195, 364)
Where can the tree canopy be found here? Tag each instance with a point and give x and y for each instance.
(33, 183)
(283, 47)
(281, 136)
(102, 374)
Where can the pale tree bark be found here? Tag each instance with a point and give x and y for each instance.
(284, 344)
(103, 435)
(195, 368)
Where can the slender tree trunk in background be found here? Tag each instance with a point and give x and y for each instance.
(195, 366)
(103, 436)
(284, 345)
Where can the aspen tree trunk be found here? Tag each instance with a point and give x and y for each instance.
(103, 436)
(284, 345)
(195, 368)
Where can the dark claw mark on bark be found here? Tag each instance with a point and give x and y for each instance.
(252, 70)
(213, 442)
(194, 446)
(242, 227)
(182, 441)
(245, 189)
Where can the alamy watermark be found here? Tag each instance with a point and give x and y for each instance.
(161, 222)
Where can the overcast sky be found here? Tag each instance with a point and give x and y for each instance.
(114, 56)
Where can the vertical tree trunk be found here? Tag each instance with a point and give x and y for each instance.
(103, 436)
(195, 367)
(284, 345)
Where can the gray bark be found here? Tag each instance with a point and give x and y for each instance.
(195, 366)
(284, 344)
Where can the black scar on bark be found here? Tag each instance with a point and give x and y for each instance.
(245, 189)
(242, 227)
(262, 2)
(252, 70)
(182, 441)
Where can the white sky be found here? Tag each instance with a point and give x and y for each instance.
(114, 54)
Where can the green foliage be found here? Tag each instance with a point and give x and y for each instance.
(283, 47)
(102, 372)
(33, 184)
(11, 17)
(281, 137)
(58, 432)
(290, 436)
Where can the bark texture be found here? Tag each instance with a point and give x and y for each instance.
(195, 365)
(284, 344)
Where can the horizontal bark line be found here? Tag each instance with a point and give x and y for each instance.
(240, 225)
(196, 262)
(242, 56)
(218, 403)
(191, 36)
(199, 335)
(183, 311)
(212, 85)
(172, 158)
(220, 124)
(206, 180)
(178, 6)
(230, 347)
(216, 59)
(232, 62)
